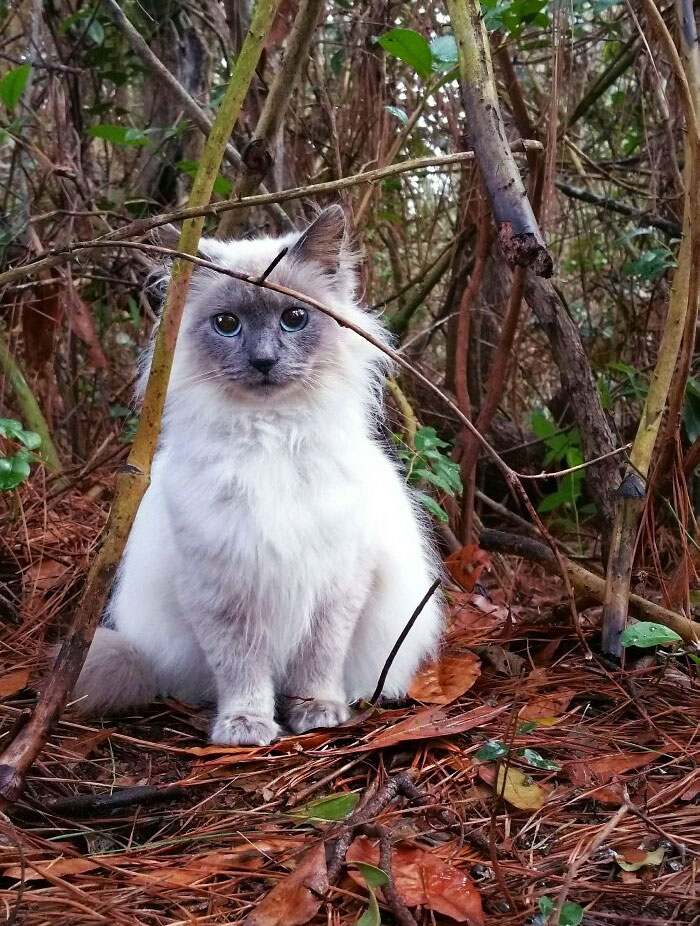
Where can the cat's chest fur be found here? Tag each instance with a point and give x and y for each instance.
(268, 511)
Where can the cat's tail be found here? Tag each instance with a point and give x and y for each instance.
(115, 677)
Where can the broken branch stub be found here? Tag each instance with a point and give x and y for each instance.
(518, 232)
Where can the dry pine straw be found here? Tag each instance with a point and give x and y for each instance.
(210, 855)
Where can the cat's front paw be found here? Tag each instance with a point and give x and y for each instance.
(307, 715)
(244, 730)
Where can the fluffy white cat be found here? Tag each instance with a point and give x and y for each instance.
(277, 554)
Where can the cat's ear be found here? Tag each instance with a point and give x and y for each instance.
(324, 241)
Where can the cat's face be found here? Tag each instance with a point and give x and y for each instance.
(249, 338)
(253, 342)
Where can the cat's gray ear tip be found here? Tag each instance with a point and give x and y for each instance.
(332, 216)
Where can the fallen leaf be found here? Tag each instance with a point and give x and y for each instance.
(424, 879)
(81, 747)
(430, 723)
(634, 859)
(45, 574)
(60, 867)
(298, 897)
(546, 706)
(585, 773)
(13, 682)
(251, 855)
(331, 807)
(466, 565)
(443, 681)
(519, 789)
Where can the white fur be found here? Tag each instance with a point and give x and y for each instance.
(285, 513)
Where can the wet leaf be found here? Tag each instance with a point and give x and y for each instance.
(332, 807)
(533, 758)
(494, 749)
(444, 681)
(298, 897)
(423, 878)
(647, 633)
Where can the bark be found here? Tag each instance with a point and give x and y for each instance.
(518, 231)
(577, 379)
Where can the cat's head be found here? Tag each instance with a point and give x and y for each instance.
(258, 346)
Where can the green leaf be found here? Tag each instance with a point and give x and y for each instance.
(546, 905)
(375, 877)
(12, 85)
(13, 430)
(555, 500)
(433, 507)
(571, 914)
(647, 633)
(527, 727)
(427, 439)
(410, 47)
(444, 53)
(371, 916)
(332, 807)
(14, 470)
(118, 134)
(493, 749)
(533, 758)
(398, 113)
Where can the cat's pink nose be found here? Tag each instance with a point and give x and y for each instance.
(264, 364)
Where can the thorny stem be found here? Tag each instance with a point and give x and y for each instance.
(133, 480)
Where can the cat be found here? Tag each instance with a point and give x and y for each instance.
(277, 553)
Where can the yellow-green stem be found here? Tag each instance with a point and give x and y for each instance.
(133, 480)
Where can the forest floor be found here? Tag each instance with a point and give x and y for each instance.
(544, 776)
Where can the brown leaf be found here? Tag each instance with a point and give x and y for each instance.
(45, 574)
(466, 565)
(13, 682)
(297, 898)
(431, 723)
(587, 772)
(60, 867)
(441, 682)
(547, 706)
(83, 324)
(251, 855)
(424, 879)
(41, 315)
(81, 747)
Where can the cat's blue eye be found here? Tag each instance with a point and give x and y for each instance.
(227, 324)
(294, 319)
